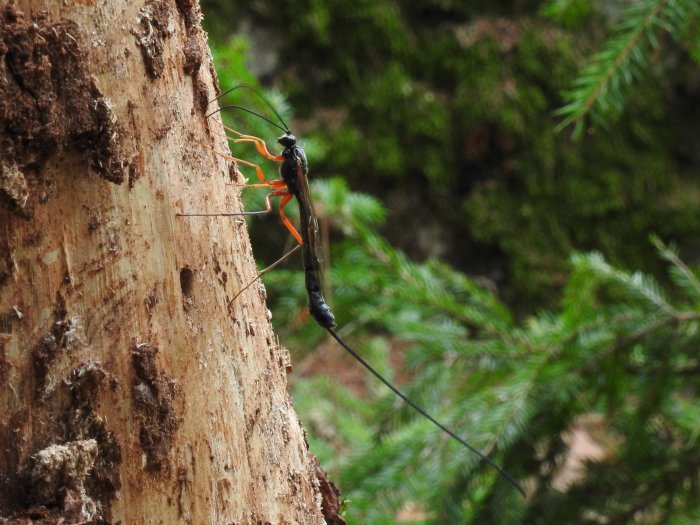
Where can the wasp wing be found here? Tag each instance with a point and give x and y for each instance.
(313, 264)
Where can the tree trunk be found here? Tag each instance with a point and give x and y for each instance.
(130, 392)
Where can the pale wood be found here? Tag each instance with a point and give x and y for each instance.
(122, 275)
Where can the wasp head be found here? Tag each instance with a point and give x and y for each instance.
(287, 140)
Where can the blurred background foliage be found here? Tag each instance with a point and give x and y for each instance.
(534, 146)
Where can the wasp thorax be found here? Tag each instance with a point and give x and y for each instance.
(287, 140)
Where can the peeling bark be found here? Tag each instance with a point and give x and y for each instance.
(129, 392)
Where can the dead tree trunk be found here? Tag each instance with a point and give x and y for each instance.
(130, 393)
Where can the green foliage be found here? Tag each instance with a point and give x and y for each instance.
(621, 350)
(567, 12)
(230, 60)
(446, 111)
(602, 89)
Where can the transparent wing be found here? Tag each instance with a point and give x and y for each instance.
(309, 225)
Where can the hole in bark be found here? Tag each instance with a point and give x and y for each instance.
(186, 281)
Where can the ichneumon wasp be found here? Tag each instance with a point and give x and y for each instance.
(294, 183)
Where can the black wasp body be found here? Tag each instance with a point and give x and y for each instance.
(294, 170)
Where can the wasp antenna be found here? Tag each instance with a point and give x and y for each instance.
(239, 86)
(251, 112)
(234, 88)
(262, 97)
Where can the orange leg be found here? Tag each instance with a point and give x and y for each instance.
(286, 197)
(282, 192)
(279, 186)
(258, 169)
(259, 144)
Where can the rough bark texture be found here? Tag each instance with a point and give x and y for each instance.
(129, 391)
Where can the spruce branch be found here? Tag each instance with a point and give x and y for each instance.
(601, 90)
(680, 273)
(636, 285)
